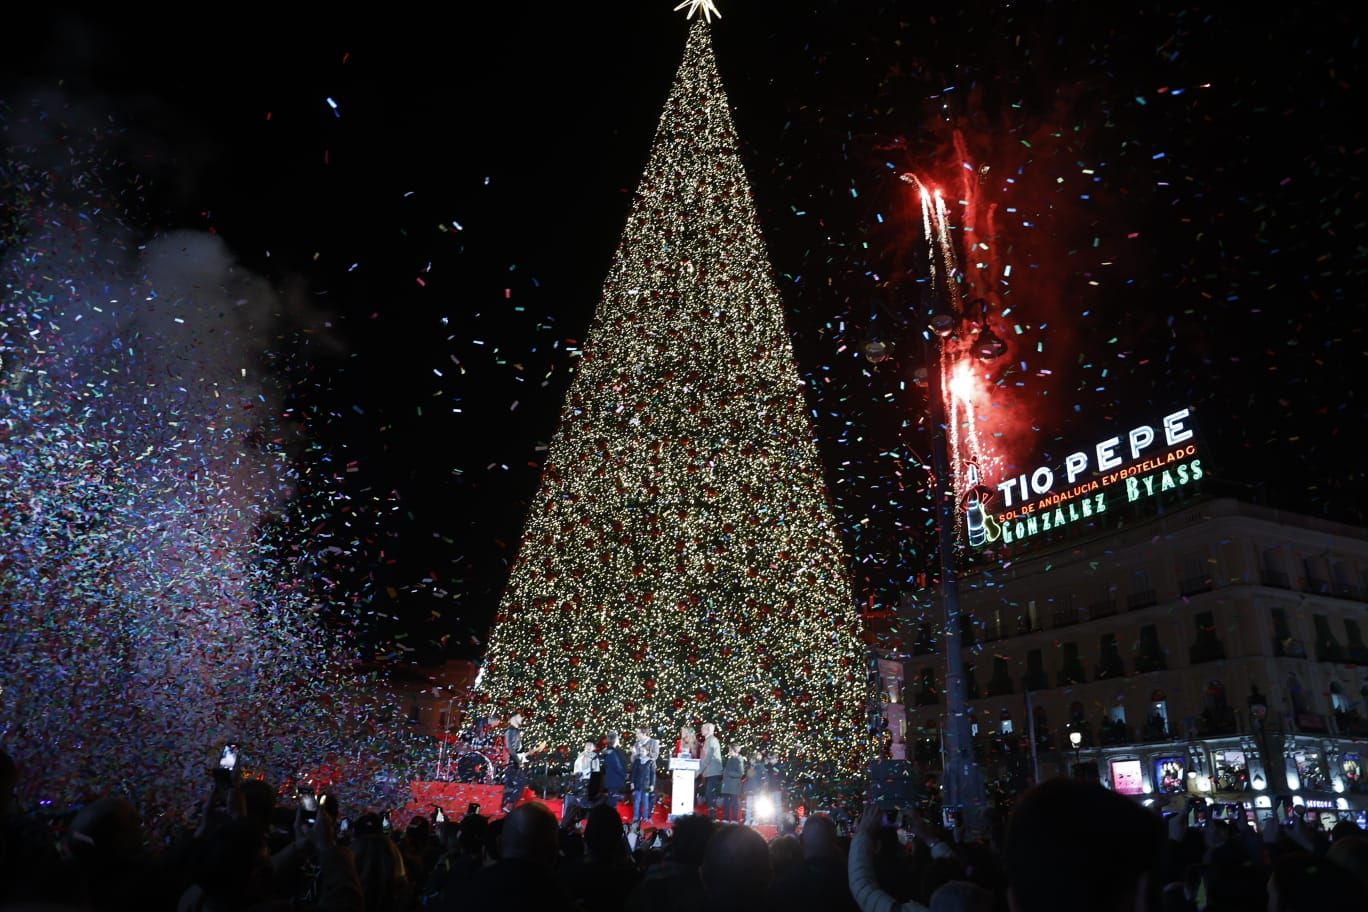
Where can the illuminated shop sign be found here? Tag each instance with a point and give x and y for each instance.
(1145, 462)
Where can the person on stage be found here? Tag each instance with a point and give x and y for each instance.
(582, 791)
(644, 757)
(711, 770)
(515, 779)
(687, 745)
(614, 765)
(733, 772)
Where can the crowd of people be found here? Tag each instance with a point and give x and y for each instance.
(1069, 845)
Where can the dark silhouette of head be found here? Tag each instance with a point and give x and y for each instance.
(736, 870)
(231, 865)
(472, 833)
(1351, 853)
(529, 834)
(786, 853)
(259, 799)
(603, 834)
(690, 840)
(1305, 883)
(380, 868)
(1076, 847)
(819, 837)
(9, 780)
(1343, 830)
(106, 835)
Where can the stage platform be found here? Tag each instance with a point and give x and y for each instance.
(455, 797)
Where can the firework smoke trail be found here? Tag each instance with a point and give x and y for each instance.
(963, 389)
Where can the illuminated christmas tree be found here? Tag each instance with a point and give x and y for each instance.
(681, 562)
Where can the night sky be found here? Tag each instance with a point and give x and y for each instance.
(438, 195)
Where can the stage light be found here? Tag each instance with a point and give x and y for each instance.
(764, 808)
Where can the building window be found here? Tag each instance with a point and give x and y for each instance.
(1110, 665)
(927, 694)
(1344, 586)
(1338, 701)
(1005, 722)
(1310, 771)
(1231, 771)
(1271, 571)
(1150, 655)
(1141, 594)
(1115, 731)
(1071, 669)
(1035, 671)
(971, 682)
(1207, 647)
(926, 639)
(995, 630)
(1194, 574)
(1065, 612)
(1357, 653)
(1157, 723)
(966, 625)
(1104, 606)
(1218, 718)
(1327, 647)
(1316, 578)
(415, 713)
(1001, 682)
(1282, 633)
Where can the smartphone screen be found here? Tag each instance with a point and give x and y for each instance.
(228, 757)
(310, 805)
(439, 816)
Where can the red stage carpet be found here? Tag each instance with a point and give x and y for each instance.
(455, 797)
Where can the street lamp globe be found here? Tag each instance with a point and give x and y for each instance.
(942, 324)
(875, 351)
(1075, 738)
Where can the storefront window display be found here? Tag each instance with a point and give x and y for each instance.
(1170, 775)
(1127, 777)
(1232, 772)
(1353, 770)
(1311, 770)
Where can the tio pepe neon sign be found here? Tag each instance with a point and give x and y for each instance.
(1151, 461)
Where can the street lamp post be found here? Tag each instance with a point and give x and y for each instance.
(964, 787)
(963, 779)
(1076, 739)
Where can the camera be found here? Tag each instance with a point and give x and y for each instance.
(439, 816)
(309, 803)
(228, 758)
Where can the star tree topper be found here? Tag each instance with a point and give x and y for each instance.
(708, 7)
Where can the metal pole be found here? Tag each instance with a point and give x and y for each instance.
(1031, 733)
(963, 781)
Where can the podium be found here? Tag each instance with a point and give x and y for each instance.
(683, 770)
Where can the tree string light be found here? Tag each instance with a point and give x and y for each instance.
(681, 561)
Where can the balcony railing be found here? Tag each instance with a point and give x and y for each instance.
(1137, 600)
(1206, 650)
(1275, 578)
(1105, 608)
(1192, 585)
(1064, 617)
